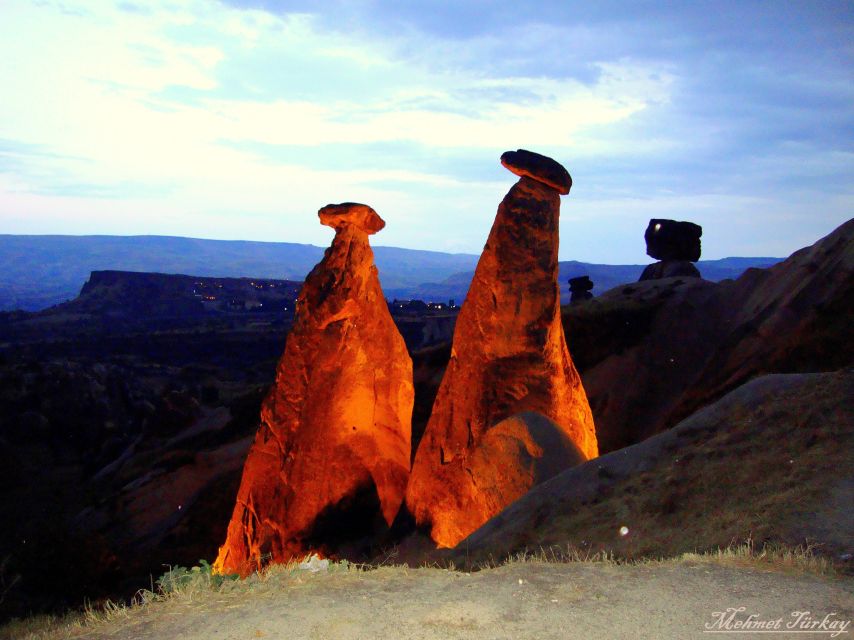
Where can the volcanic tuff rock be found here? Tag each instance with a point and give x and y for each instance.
(772, 460)
(330, 460)
(580, 288)
(536, 447)
(685, 342)
(672, 240)
(675, 245)
(669, 269)
(533, 165)
(509, 356)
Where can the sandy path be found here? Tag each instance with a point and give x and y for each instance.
(523, 600)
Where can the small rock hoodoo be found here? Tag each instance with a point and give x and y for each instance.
(579, 288)
(676, 245)
(330, 461)
(511, 410)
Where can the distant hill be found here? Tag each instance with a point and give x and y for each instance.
(604, 277)
(608, 276)
(136, 294)
(39, 271)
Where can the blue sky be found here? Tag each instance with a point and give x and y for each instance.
(238, 120)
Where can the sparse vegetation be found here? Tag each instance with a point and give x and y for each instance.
(182, 586)
(801, 559)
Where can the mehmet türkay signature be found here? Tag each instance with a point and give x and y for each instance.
(733, 620)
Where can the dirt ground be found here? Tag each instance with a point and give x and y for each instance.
(660, 600)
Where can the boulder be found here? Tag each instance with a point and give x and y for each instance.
(351, 213)
(514, 455)
(330, 462)
(672, 240)
(717, 476)
(541, 168)
(509, 356)
(670, 269)
(685, 342)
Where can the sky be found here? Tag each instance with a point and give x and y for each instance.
(240, 119)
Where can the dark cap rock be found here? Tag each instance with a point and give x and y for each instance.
(672, 240)
(539, 167)
(581, 283)
(361, 216)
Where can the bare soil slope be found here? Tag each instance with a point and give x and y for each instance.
(772, 460)
(522, 600)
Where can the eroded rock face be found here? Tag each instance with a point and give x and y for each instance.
(514, 455)
(670, 269)
(509, 356)
(330, 461)
(765, 419)
(684, 342)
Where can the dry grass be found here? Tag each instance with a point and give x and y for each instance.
(797, 560)
(178, 585)
(181, 587)
(760, 474)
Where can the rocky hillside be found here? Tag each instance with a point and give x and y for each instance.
(771, 461)
(37, 272)
(652, 353)
(122, 438)
(155, 294)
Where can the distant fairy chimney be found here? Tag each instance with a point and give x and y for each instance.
(579, 289)
(676, 245)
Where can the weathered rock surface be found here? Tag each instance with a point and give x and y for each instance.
(685, 342)
(509, 356)
(672, 240)
(361, 216)
(771, 460)
(670, 269)
(330, 460)
(537, 449)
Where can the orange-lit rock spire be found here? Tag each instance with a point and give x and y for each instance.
(509, 356)
(330, 461)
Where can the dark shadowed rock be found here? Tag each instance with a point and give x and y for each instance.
(670, 269)
(581, 283)
(539, 167)
(672, 240)
(685, 342)
(770, 461)
(579, 288)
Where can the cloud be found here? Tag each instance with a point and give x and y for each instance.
(240, 119)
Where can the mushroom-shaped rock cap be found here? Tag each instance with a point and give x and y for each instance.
(361, 216)
(539, 167)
